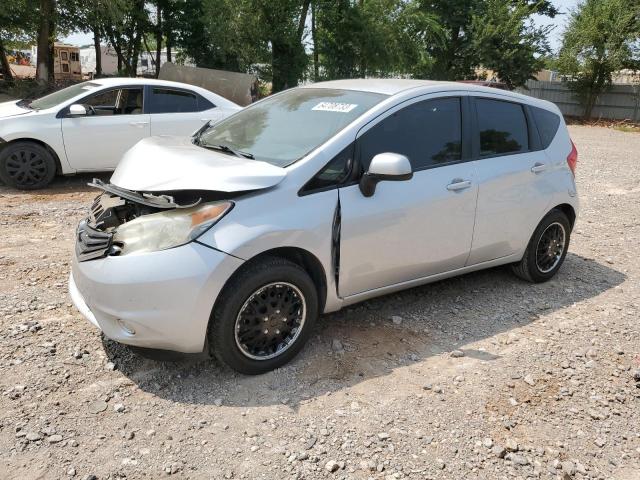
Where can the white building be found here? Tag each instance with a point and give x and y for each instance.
(88, 60)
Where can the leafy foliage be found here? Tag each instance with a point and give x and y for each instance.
(602, 37)
(502, 40)
(288, 41)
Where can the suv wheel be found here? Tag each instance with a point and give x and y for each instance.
(26, 166)
(547, 249)
(264, 316)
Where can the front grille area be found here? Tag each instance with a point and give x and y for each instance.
(91, 243)
(96, 210)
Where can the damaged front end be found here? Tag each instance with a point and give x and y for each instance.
(123, 221)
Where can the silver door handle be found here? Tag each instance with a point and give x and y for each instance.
(205, 119)
(138, 124)
(458, 184)
(538, 167)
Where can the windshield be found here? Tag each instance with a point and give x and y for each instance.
(56, 98)
(284, 128)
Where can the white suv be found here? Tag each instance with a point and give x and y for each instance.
(88, 126)
(317, 198)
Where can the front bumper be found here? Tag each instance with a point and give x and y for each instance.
(155, 300)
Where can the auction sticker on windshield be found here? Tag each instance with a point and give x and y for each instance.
(335, 107)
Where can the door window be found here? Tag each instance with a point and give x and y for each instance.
(164, 100)
(502, 126)
(429, 133)
(124, 101)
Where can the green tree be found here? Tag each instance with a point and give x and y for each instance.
(124, 25)
(220, 34)
(601, 37)
(373, 37)
(503, 40)
(240, 35)
(16, 25)
(281, 23)
(458, 56)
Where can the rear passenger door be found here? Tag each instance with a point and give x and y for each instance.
(177, 111)
(514, 187)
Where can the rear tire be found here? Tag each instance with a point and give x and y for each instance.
(26, 166)
(546, 250)
(264, 316)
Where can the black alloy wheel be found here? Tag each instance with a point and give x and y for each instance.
(263, 316)
(550, 247)
(270, 321)
(547, 248)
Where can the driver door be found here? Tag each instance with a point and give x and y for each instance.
(114, 123)
(415, 228)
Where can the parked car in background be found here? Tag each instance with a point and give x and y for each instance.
(317, 198)
(89, 126)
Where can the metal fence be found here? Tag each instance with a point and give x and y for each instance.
(620, 102)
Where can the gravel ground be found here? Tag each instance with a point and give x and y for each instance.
(478, 377)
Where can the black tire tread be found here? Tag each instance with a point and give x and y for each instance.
(524, 269)
(4, 153)
(219, 347)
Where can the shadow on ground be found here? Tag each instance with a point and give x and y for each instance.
(437, 318)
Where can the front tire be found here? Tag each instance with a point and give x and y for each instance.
(26, 166)
(546, 250)
(264, 316)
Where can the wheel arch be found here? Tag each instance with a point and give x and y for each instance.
(46, 146)
(569, 211)
(304, 258)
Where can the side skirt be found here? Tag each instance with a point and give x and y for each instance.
(359, 297)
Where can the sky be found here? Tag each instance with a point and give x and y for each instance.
(555, 37)
(558, 23)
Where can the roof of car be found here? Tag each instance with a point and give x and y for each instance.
(393, 86)
(108, 81)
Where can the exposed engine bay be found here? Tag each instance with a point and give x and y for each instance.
(117, 206)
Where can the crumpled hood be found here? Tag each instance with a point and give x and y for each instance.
(166, 163)
(11, 109)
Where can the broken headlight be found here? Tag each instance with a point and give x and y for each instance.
(159, 231)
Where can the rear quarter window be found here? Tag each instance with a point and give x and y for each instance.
(547, 123)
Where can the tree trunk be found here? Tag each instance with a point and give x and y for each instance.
(303, 18)
(280, 66)
(158, 40)
(316, 63)
(4, 63)
(167, 28)
(152, 57)
(98, 48)
(44, 36)
(52, 41)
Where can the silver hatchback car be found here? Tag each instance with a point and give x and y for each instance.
(236, 239)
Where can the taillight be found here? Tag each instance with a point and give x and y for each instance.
(572, 159)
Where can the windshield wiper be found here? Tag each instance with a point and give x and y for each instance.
(198, 134)
(228, 149)
(25, 104)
